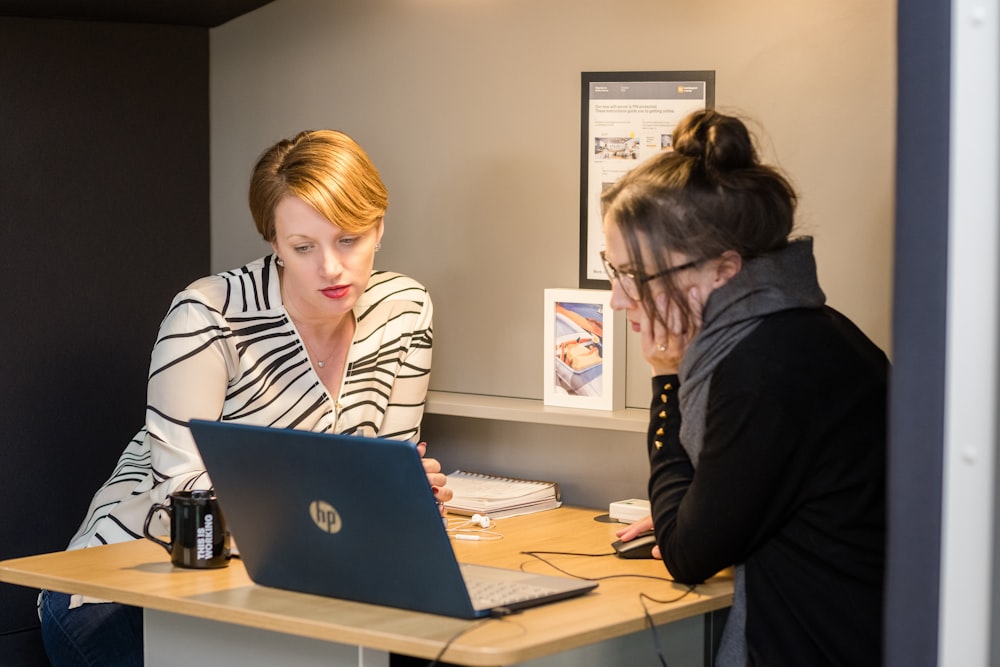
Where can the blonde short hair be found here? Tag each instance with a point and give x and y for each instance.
(324, 168)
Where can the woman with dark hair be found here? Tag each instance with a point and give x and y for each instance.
(767, 435)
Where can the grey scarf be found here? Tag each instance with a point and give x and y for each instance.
(768, 284)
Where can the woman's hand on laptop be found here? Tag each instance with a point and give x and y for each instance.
(435, 477)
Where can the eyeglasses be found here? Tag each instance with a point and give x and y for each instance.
(630, 282)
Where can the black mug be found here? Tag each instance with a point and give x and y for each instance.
(198, 535)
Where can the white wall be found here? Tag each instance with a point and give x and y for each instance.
(471, 110)
(969, 505)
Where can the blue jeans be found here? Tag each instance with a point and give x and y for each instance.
(92, 635)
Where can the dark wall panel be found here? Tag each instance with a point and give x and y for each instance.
(104, 215)
(916, 437)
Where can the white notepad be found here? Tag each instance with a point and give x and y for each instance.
(480, 493)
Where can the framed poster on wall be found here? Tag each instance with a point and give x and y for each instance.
(626, 118)
(581, 366)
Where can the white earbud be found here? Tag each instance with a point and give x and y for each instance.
(477, 536)
(480, 522)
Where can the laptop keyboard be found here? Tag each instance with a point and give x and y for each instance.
(487, 594)
(490, 588)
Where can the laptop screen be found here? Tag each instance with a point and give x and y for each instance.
(341, 516)
(351, 517)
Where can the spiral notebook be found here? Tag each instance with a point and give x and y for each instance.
(481, 493)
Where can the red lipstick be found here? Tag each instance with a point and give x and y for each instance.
(336, 292)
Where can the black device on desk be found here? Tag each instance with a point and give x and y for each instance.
(354, 518)
(640, 546)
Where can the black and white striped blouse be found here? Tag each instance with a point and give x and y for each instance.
(228, 350)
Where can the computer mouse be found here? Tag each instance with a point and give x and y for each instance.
(640, 546)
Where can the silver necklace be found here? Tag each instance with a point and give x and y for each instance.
(319, 362)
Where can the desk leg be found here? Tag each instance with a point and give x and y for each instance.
(175, 639)
(715, 621)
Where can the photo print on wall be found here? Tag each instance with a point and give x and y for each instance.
(580, 365)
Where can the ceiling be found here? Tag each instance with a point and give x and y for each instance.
(203, 13)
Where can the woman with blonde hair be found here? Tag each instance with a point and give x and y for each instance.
(309, 337)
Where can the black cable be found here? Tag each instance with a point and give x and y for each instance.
(538, 555)
(642, 596)
(453, 638)
(503, 612)
(652, 626)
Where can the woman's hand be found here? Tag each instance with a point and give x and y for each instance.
(435, 478)
(641, 526)
(664, 346)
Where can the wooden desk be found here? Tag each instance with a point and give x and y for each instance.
(139, 573)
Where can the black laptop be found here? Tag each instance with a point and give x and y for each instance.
(353, 518)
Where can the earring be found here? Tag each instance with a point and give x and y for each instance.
(279, 261)
(378, 246)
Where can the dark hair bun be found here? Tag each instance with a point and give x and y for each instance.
(722, 142)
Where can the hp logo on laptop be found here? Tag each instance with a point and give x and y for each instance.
(325, 516)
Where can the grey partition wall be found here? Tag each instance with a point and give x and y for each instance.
(917, 394)
(941, 606)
